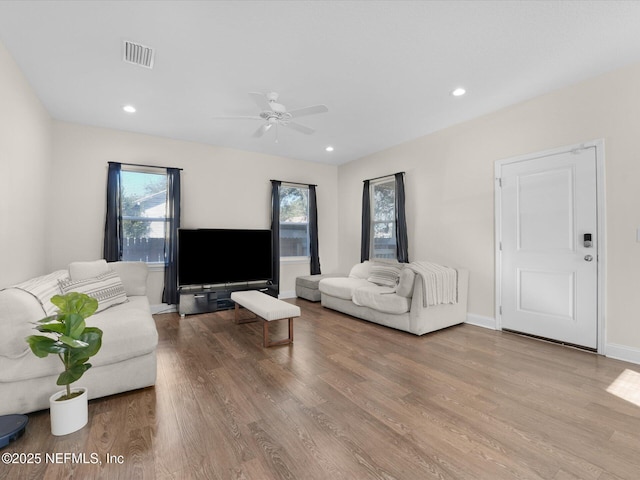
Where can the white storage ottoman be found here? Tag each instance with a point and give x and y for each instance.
(307, 286)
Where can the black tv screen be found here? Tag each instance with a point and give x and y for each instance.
(220, 256)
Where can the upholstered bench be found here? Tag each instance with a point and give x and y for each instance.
(307, 286)
(267, 309)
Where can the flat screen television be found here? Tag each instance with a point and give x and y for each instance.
(221, 256)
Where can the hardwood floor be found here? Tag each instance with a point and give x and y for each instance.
(354, 400)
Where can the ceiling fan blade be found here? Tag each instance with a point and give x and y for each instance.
(261, 101)
(299, 128)
(301, 112)
(262, 130)
(239, 117)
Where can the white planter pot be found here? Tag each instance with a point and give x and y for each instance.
(68, 416)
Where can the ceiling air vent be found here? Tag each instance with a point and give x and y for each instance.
(138, 54)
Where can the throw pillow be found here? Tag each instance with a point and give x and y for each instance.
(45, 287)
(106, 288)
(386, 275)
(83, 270)
(361, 270)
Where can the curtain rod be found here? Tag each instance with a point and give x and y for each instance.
(295, 183)
(384, 176)
(145, 166)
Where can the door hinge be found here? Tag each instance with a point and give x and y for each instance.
(499, 180)
(500, 246)
(500, 309)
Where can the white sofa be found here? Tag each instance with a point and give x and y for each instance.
(400, 306)
(126, 361)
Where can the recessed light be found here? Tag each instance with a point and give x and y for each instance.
(129, 109)
(329, 148)
(458, 92)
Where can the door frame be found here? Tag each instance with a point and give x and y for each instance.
(601, 229)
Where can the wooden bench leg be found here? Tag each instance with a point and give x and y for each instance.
(291, 329)
(238, 320)
(265, 335)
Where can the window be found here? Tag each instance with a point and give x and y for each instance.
(144, 199)
(294, 221)
(383, 218)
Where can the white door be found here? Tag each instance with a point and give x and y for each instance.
(549, 272)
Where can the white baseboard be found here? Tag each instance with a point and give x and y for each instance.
(163, 308)
(623, 352)
(287, 294)
(619, 352)
(481, 321)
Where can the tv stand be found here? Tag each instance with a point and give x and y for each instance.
(212, 298)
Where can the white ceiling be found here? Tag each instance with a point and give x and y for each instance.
(384, 69)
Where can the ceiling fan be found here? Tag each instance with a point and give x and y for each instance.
(274, 113)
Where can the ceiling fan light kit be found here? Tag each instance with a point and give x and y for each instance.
(274, 113)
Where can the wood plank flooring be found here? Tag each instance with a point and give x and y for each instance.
(353, 400)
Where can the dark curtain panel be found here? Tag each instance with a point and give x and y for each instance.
(170, 293)
(365, 242)
(112, 249)
(313, 231)
(275, 231)
(402, 244)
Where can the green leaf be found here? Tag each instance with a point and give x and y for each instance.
(51, 327)
(75, 325)
(42, 346)
(72, 342)
(92, 336)
(75, 302)
(50, 318)
(73, 374)
(60, 301)
(77, 358)
(88, 307)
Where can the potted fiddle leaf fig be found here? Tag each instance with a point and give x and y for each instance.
(74, 343)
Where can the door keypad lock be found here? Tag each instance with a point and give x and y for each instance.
(587, 240)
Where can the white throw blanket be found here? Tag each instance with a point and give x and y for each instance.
(439, 283)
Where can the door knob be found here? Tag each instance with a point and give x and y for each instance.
(588, 258)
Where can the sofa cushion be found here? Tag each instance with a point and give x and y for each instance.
(129, 331)
(386, 275)
(106, 288)
(381, 298)
(83, 270)
(133, 276)
(406, 282)
(361, 270)
(341, 287)
(43, 288)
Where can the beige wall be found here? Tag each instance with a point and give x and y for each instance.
(25, 160)
(221, 188)
(450, 187)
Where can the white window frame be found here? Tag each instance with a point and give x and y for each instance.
(301, 258)
(372, 251)
(153, 266)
